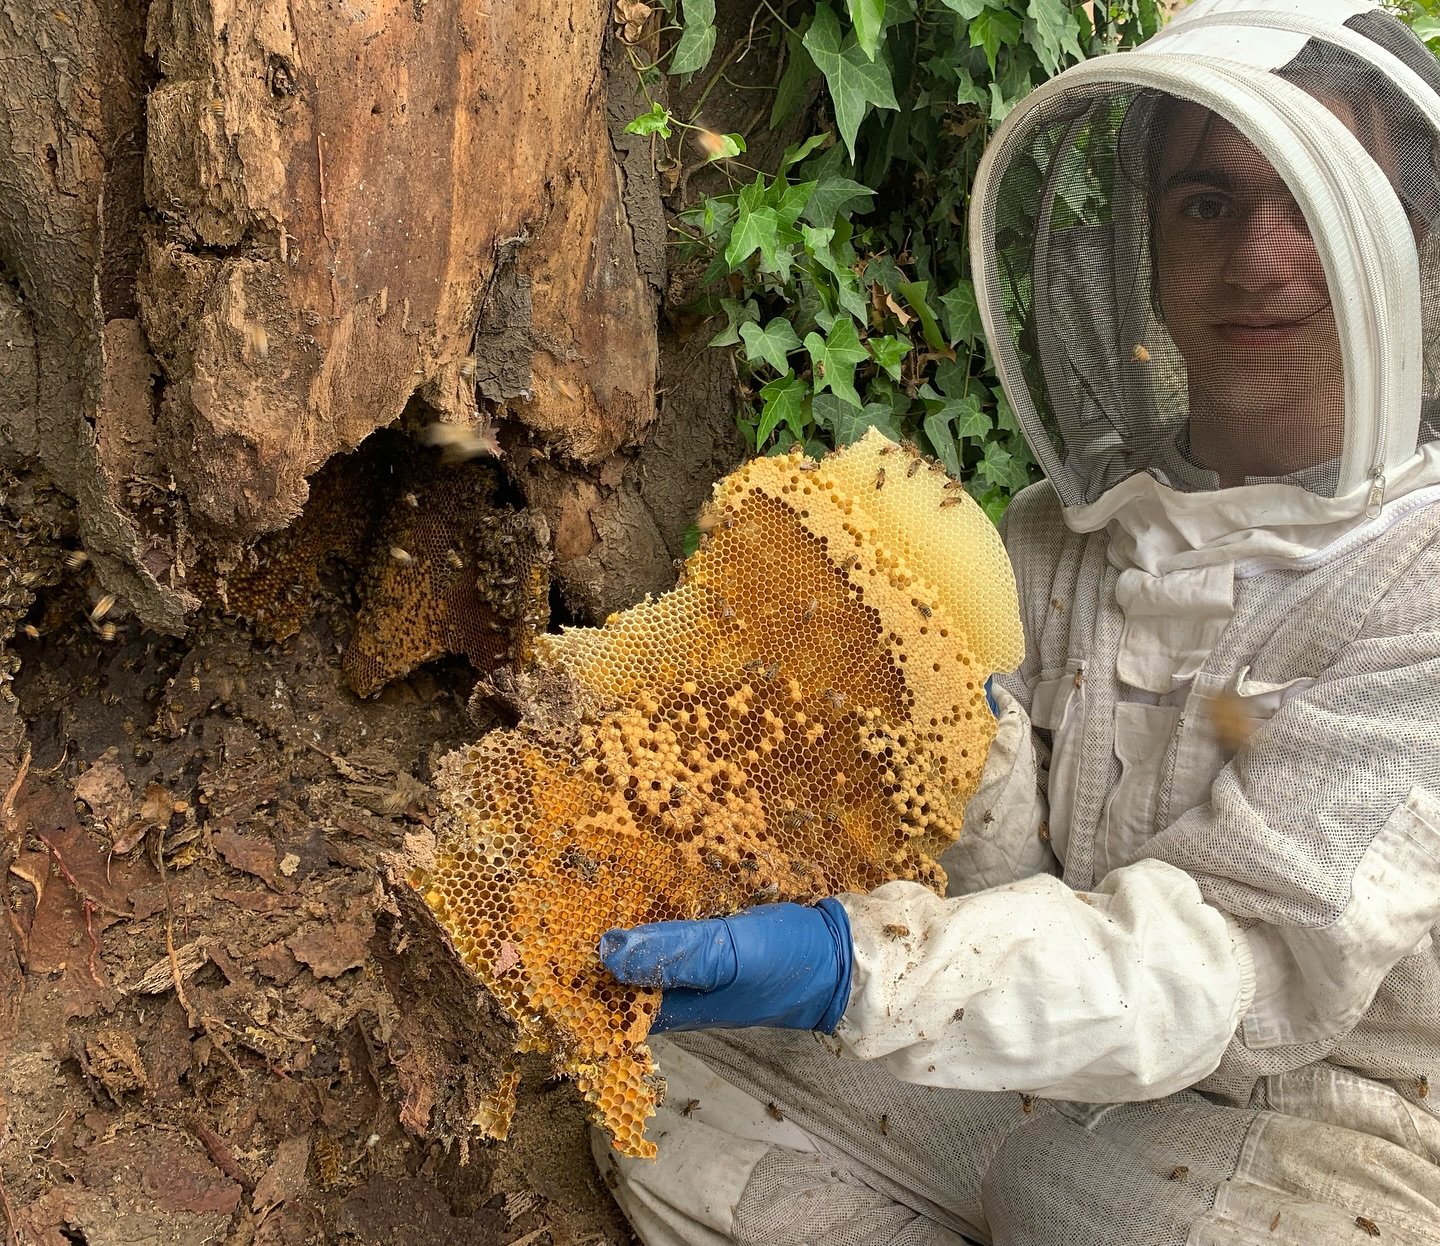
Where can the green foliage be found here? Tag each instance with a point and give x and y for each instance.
(843, 275)
(1423, 17)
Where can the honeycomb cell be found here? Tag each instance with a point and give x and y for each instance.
(756, 734)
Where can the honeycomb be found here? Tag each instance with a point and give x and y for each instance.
(448, 573)
(804, 714)
(444, 568)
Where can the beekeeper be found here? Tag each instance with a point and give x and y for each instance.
(1186, 986)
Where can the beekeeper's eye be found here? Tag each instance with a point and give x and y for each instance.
(1209, 206)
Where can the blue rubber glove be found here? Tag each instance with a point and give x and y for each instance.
(990, 697)
(782, 965)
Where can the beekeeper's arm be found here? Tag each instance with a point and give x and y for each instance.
(1321, 840)
(1006, 834)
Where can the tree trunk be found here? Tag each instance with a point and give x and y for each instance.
(251, 256)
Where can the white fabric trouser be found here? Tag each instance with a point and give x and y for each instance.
(772, 1139)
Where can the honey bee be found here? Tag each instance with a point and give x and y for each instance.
(895, 930)
(1179, 1172)
(1232, 725)
(1370, 1227)
(1027, 1104)
(102, 607)
(773, 1109)
(1422, 1087)
(925, 611)
(811, 607)
(880, 479)
(1141, 353)
(403, 556)
(582, 863)
(914, 467)
(955, 501)
(884, 1125)
(217, 107)
(452, 556)
(689, 1109)
(257, 341)
(76, 559)
(412, 501)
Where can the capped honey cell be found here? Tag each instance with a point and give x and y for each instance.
(785, 724)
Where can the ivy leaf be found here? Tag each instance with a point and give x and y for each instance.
(794, 89)
(992, 30)
(1005, 415)
(656, 121)
(835, 357)
(847, 421)
(967, 8)
(1000, 104)
(856, 84)
(1055, 33)
(757, 230)
(736, 315)
(964, 416)
(967, 90)
(784, 403)
(715, 216)
(888, 353)
(914, 292)
(846, 289)
(830, 195)
(868, 18)
(943, 441)
(773, 343)
(795, 154)
(790, 204)
(962, 314)
(697, 41)
(994, 466)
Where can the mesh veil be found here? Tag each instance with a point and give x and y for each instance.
(1188, 263)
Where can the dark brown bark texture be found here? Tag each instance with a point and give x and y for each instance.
(242, 237)
(238, 239)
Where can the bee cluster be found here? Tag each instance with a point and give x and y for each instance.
(33, 522)
(450, 572)
(444, 566)
(802, 715)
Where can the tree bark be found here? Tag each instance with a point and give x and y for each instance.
(237, 240)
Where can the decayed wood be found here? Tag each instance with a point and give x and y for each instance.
(345, 191)
(344, 210)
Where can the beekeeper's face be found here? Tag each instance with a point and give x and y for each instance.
(1245, 298)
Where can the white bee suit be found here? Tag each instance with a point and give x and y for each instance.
(1186, 986)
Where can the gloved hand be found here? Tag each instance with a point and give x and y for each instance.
(990, 696)
(782, 965)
